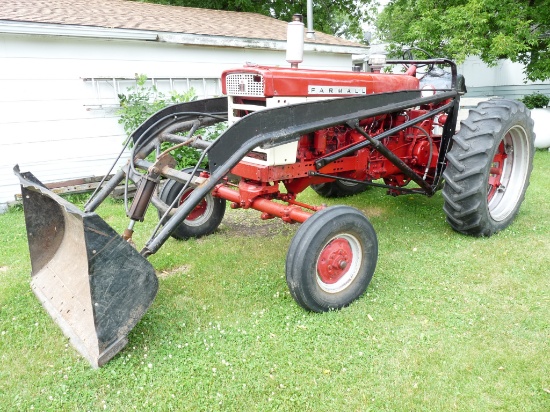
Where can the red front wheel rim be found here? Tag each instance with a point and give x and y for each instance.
(338, 263)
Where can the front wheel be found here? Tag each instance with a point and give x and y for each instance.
(203, 220)
(489, 167)
(331, 259)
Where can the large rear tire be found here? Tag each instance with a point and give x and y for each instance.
(203, 220)
(331, 259)
(489, 167)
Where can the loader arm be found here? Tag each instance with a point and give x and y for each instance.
(272, 127)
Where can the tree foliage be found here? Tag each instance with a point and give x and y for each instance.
(343, 18)
(518, 30)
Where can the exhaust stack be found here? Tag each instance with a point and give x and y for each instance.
(295, 41)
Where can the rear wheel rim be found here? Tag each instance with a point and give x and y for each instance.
(338, 263)
(508, 173)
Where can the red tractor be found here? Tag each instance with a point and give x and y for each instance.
(289, 129)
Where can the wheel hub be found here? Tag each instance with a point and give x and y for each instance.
(334, 261)
(495, 173)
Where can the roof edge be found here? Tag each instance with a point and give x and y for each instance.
(240, 42)
(48, 29)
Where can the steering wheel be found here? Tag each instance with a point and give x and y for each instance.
(408, 55)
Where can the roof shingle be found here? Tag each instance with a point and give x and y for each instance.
(126, 14)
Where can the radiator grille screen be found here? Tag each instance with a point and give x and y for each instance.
(245, 84)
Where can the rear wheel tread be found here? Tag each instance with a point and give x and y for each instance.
(470, 206)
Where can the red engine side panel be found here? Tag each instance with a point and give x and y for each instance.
(305, 82)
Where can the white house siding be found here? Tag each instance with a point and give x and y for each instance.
(506, 79)
(54, 122)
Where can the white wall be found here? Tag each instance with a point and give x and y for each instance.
(52, 122)
(506, 79)
(505, 73)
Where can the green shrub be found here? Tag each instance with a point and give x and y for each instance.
(142, 101)
(535, 100)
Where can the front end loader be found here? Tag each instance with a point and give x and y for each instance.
(289, 129)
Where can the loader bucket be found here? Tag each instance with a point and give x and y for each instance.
(94, 284)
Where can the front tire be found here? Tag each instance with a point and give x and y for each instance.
(203, 220)
(489, 167)
(331, 259)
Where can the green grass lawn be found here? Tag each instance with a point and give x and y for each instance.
(448, 323)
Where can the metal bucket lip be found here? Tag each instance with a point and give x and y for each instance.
(93, 283)
(28, 180)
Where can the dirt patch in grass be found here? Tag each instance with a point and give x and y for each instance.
(243, 222)
(374, 211)
(3, 269)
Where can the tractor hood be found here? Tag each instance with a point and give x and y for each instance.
(262, 81)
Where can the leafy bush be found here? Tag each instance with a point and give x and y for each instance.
(535, 100)
(142, 101)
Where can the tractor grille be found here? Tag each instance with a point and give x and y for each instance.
(245, 84)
